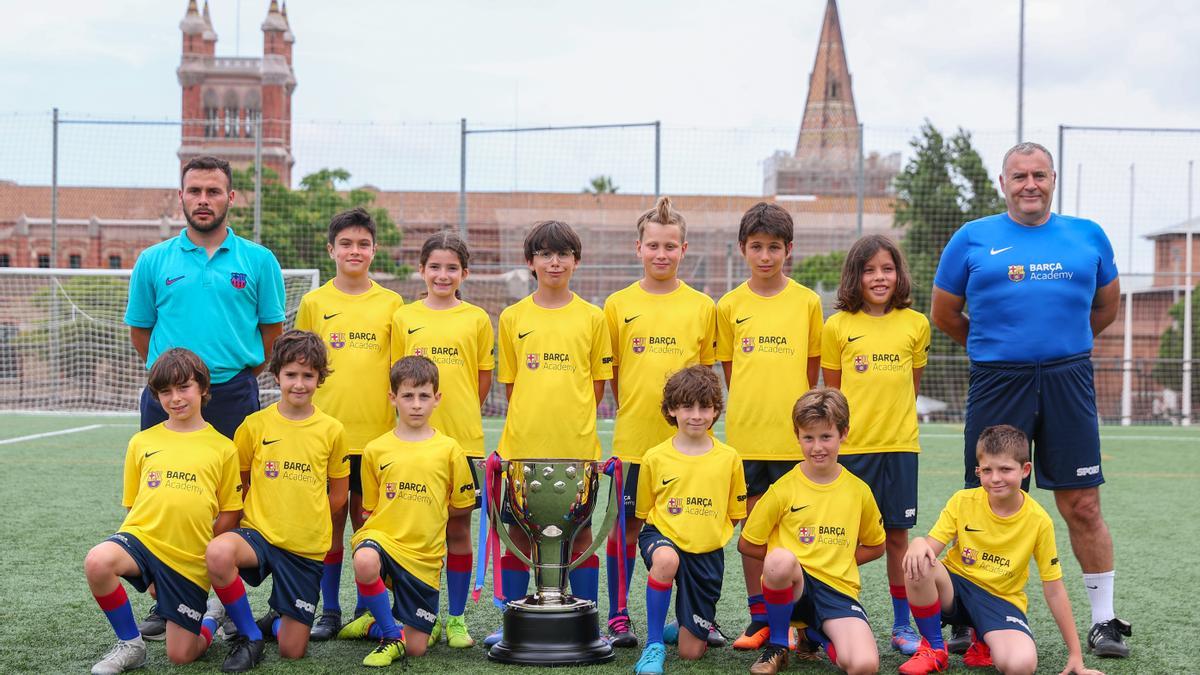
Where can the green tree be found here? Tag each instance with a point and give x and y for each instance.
(820, 271)
(295, 222)
(601, 185)
(943, 185)
(1167, 370)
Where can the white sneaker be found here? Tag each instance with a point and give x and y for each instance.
(125, 655)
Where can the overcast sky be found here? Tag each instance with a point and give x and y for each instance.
(739, 68)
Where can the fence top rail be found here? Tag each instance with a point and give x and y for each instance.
(1174, 130)
(575, 127)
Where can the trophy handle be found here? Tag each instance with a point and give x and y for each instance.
(494, 507)
(601, 536)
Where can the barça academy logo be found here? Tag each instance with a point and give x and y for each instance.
(389, 489)
(154, 479)
(861, 364)
(271, 469)
(806, 535)
(238, 280)
(639, 345)
(747, 344)
(674, 506)
(1016, 272)
(531, 361)
(337, 340)
(968, 556)
(418, 351)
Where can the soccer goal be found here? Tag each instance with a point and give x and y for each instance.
(64, 345)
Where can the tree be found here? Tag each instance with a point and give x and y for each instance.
(1167, 370)
(295, 222)
(821, 271)
(601, 185)
(944, 185)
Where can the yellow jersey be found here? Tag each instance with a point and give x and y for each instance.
(552, 357)
(409, 488)
(289, 462)
(822, 524)
(692, 499)
(877, 355)
(461, 342)
(175, 485)
(769, 341)
(356, 330)
(994, 552)
(653, 337)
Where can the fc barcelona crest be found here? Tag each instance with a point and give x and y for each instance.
(389, 489)
(806, 535)
(1016, 272)
(968, 556)
(418, 351)
(747, 344)
(154, 479)
(531, 361)
(238, 279)
(337, 340)
(861, 364)
(674, 506)
(639, 345)
(271, 469)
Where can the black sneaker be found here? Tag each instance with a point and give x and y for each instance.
(1108, 638)
(960, 640)
(229, 629)
(716, 639)
(243, 655)
(620, 632)
(265, 624)
(154, 626)
(326, 627)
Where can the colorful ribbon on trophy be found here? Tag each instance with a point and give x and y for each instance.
(613, 468)
(489, 540)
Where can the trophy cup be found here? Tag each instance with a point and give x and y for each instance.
(550, 500)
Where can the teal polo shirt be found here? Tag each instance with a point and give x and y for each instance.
(212, 306)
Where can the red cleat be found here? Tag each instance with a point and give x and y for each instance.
(978, 655)
(926, 660)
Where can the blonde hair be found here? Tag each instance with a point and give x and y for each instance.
(663, 214)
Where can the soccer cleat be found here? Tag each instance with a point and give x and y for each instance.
(125, 655)
(926, 660)
(266, 624)
(326, 627)
(154, 626)
(435, 633)
(756, 635)
(386, 653)
(1107, 638)
(244, 655)
(356, 629)
(905, 640)
(493, 639)
(978, 655)
(716, 639)
(620, 633)
(671, 633)
(772, 659)
(651, 660)
(960, 639)
(457, 635)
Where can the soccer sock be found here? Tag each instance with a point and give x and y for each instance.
(275, 626)
(929, 622)
(611, 571)
(758, 608)
(1100, 595)
(631, 553)
(237, 605)
(458, 580)
(331, 581)
(514, 577)
(376, 633)
(899, 605)
(585, 579)
(119, 613)
(658, 600)
(779, 613)
(208, 628)
(375, 598)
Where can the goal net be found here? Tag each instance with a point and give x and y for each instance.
(64, 345)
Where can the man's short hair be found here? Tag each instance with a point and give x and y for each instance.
(821, 405)
(416, 371)
(1026, 148)
(694, 385)
(769, 219)
(1003, 440)
(663, 213)
(355, 217)
(553, 236)
(207, 163)
(300, 346)
(175, 367)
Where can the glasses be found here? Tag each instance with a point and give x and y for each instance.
(556, 256)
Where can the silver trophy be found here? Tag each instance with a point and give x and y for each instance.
(550, 500)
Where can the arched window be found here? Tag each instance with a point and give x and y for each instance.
(210, 113)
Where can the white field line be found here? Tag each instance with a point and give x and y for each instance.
(47, 434)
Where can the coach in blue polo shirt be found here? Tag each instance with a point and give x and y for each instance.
(212, 292)
(1039, 286)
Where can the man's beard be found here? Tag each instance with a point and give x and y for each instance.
(217, 221)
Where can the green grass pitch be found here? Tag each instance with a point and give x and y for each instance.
(61, 495)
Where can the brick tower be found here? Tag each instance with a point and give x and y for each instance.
(224, 97)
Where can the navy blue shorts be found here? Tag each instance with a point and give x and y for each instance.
(893, 480)
(230, 403)
(975, 607)
(1054, 403)
(698, 581)
(762, 473)
(821, 602)
(414, 602)
(355, 474)
(296, 584)
(180, 600)
(629, 474)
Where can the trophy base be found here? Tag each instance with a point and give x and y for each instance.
(544, 636)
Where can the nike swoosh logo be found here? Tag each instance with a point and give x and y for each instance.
(738, 321)
(670, 480)
(631, 318)
(266, 442)
(856, 337)
(799, 508)
(997, 251)
(171, 281)
(330, 316)
(384, 466)
(1094, 588)
(151, 454)
(413, 330)
(972, 529)
(521, 336)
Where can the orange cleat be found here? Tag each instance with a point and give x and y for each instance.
(978, 654)
(926, 660)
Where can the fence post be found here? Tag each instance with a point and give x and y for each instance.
(862, 181)
(1127, 364)
(258, 128)
(462, 178)
(1189, 282)
(1061, 165)
(657, 158)
(728, 267)
(55, 370)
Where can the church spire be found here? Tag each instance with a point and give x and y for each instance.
(829, 131)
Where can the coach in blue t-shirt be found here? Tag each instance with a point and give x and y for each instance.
(212, 292)
(1040, 286)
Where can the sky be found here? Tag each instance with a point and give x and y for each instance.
(380, 80)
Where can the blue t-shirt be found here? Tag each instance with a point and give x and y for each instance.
(1029, 290)
(212, 306)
